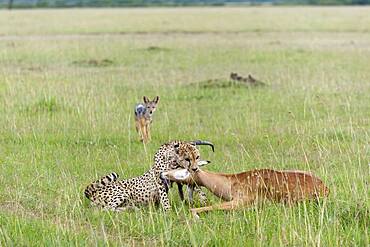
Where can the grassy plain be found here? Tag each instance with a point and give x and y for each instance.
(69, 80)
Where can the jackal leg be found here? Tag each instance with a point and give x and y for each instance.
(144, 134)
(147, 128)
(139, 129)
(142, 126)
(137, 125)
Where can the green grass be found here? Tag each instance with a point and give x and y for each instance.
(69, 81)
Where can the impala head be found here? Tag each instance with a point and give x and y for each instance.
(151, 105)
(185, 176)
(178, 175)
(188, 155)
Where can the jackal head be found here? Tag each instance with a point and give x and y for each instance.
(151, 105)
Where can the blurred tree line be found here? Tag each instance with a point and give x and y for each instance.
(137, 3)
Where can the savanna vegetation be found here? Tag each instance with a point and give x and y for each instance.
(69, 81)
(166, 3)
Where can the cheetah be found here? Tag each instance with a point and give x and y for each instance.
(250, 80)
(113, 194)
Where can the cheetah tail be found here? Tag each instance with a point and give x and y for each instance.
(93, 187)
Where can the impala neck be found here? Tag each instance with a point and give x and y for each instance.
(218, 184)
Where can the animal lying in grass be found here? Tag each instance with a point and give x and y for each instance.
(249, 187)
(111, 193)
(250, 80)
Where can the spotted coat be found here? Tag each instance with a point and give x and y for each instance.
(111, 193)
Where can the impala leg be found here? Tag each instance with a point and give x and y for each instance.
(223, 206)
(202, 196)
(181, 192)
(231, 205)
(190, 192)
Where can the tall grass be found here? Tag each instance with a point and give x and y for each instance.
(67, 91)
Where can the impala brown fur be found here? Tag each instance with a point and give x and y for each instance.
(247, 188)
(144, 117)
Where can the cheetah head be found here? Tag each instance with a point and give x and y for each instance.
(188, 155)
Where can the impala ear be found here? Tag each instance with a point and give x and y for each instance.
(146, 100)
(203, 162)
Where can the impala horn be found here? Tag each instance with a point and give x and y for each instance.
(200, 142)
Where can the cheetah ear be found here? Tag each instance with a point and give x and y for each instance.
(156, 99)
(146, 100)
(176, 146)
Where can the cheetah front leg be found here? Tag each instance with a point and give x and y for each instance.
(163, 198)
(125, 208)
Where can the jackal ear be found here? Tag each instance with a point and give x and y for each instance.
(146, 100)
(156, 99)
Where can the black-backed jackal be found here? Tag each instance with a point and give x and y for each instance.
(144, 117)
